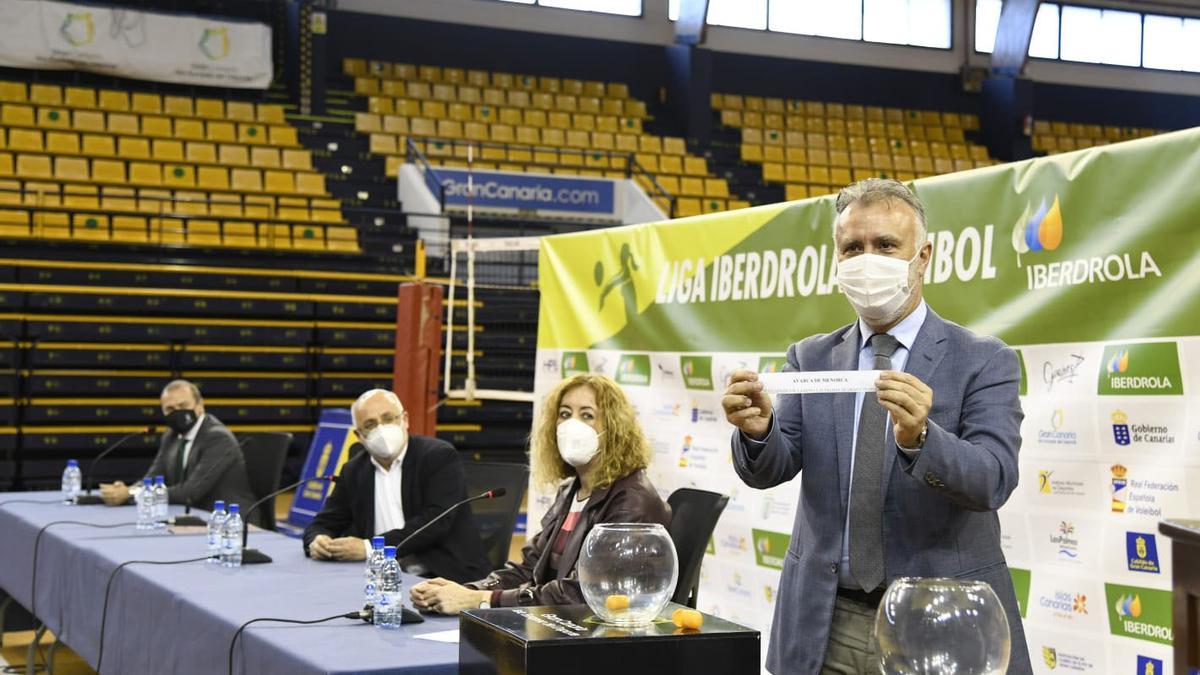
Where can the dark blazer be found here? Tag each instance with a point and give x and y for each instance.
(631, 499)
(939, 510)
(215, 468)
(431, 480)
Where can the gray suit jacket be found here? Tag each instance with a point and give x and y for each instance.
(215, 468)
(939, 511)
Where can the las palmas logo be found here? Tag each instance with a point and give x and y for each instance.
(1041, 230)
(215, 43)
(78, 29)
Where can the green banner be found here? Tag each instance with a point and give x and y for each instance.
(574, 363)
(1142, 613)
(1021, 579)
(1140, 369)
(770, 548)
(1094, 245)
(697, 372)
(634, 369)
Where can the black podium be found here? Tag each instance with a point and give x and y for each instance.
(558, 640)
(1185, 560)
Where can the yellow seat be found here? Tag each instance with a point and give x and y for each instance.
(297, 160)
(695, 166)
(79, 97)
(25, 140)
(210, 108)
(240, 111)
(246, 180)
(284, 137)
(153, 125)
(14, 223)
(225, 205)
(239, 235)
(383, 144)
(54, 118)
(164, 150)
(108, 171)
(203, 233)
(179, 106)
(34, 166)
(275, 236)
(259, 206)
(90, 226)
(231, 154)
(279, 181)
(71, 168)
(200, 153)
(271, 113)
(45, 94)
(212, 178)
(222, 132)
(179, 175)
(88, 120)
(99, 145)
(123, 123)
(342, 239)
(265, 158)
(308, 237)
(251, 134)
(15, 115)
(191, 130)
(153, 201)
(62, 142)
(116, 101)
(150, 104)
(131, 147)
(51, 225)
(187, 202)
(145, 173)
(12, 92)
(169, 231)
(365, 122)
(130, 229)
(310, 183)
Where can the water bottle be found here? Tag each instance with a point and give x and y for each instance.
(72, 482)
(387, 610)
(371, 572)
(216, 520)
(231, 538)
(161, 505)
(145, 506)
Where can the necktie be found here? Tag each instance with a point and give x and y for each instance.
(866, 493)
(180, 465)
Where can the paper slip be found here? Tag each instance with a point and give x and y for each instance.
(819, 382)
(441, 636)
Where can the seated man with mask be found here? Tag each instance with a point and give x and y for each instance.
(198, 456)
(399, 484)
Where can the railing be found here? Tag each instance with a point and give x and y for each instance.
(632, 169)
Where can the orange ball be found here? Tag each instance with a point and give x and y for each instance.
(616, 603)
(687, 618)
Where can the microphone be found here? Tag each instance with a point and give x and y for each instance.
(494, 493)
(188, 520)
(89, 498)
(252, 556)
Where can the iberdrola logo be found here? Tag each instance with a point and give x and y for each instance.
(1039, 230)
(215, 43)
(78, 29)
(1145, 369)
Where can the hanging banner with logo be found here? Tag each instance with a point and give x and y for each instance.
(510, 193)
(329, 450)
(135, 44)
(1084, 262)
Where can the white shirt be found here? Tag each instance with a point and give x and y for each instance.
(389, 509)
(189, 437)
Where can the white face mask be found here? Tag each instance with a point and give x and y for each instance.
(386, 441)
(877, 286)
(577, 442)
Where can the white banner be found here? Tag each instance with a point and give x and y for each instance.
(140, 45)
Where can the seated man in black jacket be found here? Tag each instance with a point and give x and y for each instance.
(400, 483)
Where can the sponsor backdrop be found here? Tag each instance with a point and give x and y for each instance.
(1084, 262)
(131, 43)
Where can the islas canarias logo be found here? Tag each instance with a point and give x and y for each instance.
(78, 29)
(214, 43)
(1043, 229)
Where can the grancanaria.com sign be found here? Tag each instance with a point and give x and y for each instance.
(504, 192)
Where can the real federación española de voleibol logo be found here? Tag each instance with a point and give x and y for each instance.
(1042, 229)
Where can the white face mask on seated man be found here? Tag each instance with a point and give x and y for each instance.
(386, 441)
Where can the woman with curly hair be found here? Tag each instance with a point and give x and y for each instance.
(588, 440)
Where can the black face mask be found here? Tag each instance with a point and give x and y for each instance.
(180, 421)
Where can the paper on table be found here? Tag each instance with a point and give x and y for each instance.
(819, 381)
(441, 636)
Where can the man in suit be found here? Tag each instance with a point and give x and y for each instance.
(398, 485)
(901, 481)
(198, 457)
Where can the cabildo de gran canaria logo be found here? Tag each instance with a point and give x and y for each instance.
(78, 29)
(214, 43)
(1150, 368)
(1042, 229)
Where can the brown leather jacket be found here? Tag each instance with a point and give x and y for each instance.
(631, 499)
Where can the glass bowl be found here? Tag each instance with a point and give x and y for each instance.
(628, 571)
(941, 626)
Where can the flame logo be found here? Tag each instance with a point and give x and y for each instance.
(1041, 230)
(1119, 363)
(1129, 605)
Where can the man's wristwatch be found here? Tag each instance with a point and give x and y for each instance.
(920, 439)
(485, 604)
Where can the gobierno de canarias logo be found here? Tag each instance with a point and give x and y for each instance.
(78, 29)
(1042, 229)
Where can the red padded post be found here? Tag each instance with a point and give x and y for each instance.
(418, 341)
